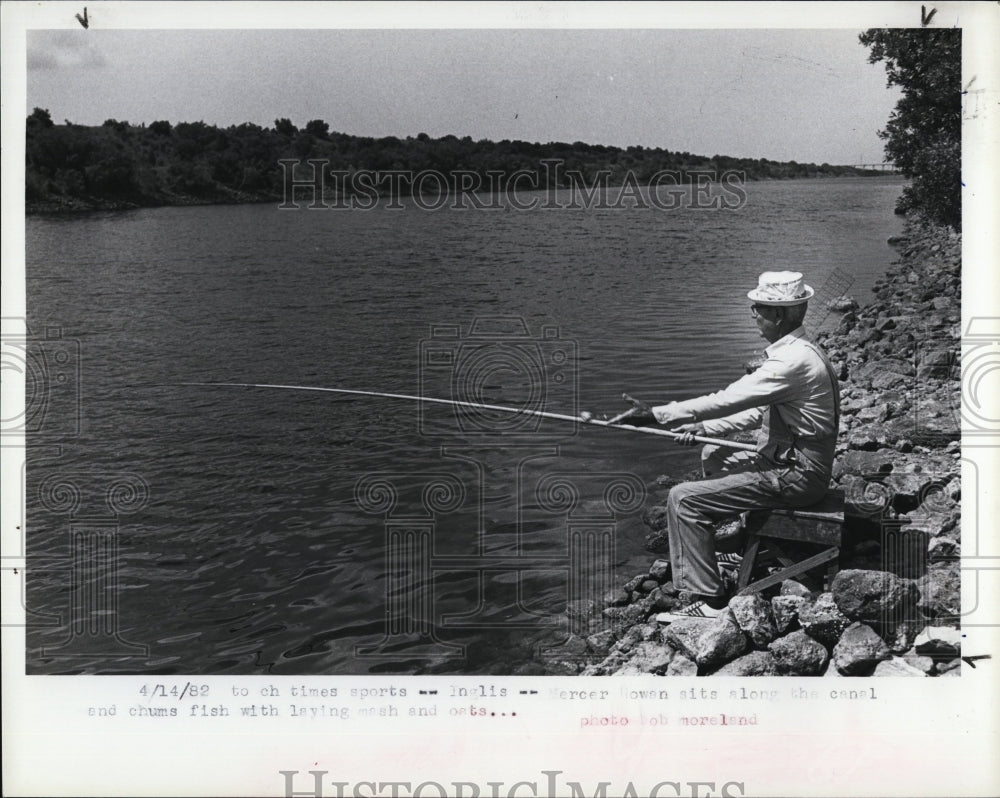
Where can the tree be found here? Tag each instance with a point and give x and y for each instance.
(318, 128)
(285, 127)
(923, 136)
(41, 118)
(160, 127)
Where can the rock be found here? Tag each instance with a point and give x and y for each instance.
(655, 517)
(682, 666)
(939, 642)
(798, 654)
(792, 588)
(952, 667)
(909, 489)
(630, 638)
(616, 598)
(901, 639)
(914, 660)
(941, 592)
(822, 620)
(662, 601)
(600, 642)
(938, 363)
(785, 610)
(756, 663)
(650, 631)
(863, 463)
(859, 650)
(633, 584)
(887, 380)
(659, 570)
(931, 423)
(708, 641)
(873, 414)
(873, 597)
(580, 610)
(648, 586)
(896, 667)
(573, 647)
(630, 615)
(651, 657)
(753, 616)
(842, 304)
(943, 548)
(562, 668)
(657, 542)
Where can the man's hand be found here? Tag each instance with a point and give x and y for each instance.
(688, 432)
(669, 416)
(638, 414)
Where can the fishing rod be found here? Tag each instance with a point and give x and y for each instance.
(583, 418)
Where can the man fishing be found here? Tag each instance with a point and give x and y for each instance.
(794, 398)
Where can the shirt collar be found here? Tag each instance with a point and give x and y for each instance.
(798, 332)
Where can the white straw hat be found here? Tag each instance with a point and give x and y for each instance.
(781, 288)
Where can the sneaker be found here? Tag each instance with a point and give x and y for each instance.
(729, 561)
(698, 609)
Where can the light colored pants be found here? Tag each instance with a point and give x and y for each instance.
(747, 481)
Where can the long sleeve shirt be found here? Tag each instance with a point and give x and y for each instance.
(794, 397)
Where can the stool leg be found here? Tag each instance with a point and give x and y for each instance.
(749, 559)
(831, 571)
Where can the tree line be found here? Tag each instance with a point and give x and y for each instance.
(118, 164)
(923, 136)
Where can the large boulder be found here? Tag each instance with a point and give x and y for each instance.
(649, 657)
(682, 666)
(859, 650)
(753, 616)
(873, 597)
(896, 667)
(941, 592)
(756, 663)
(798, 654)
(708, 641)
(822, 620)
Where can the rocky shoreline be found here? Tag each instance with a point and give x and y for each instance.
(894, 607)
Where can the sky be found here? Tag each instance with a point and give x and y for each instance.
(804, 95)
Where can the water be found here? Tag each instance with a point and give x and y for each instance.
(246, 549)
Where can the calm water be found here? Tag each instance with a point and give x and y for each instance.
(244, 542)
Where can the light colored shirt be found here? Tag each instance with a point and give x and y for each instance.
(794, 397)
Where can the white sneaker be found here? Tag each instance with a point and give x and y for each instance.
(698, 609)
